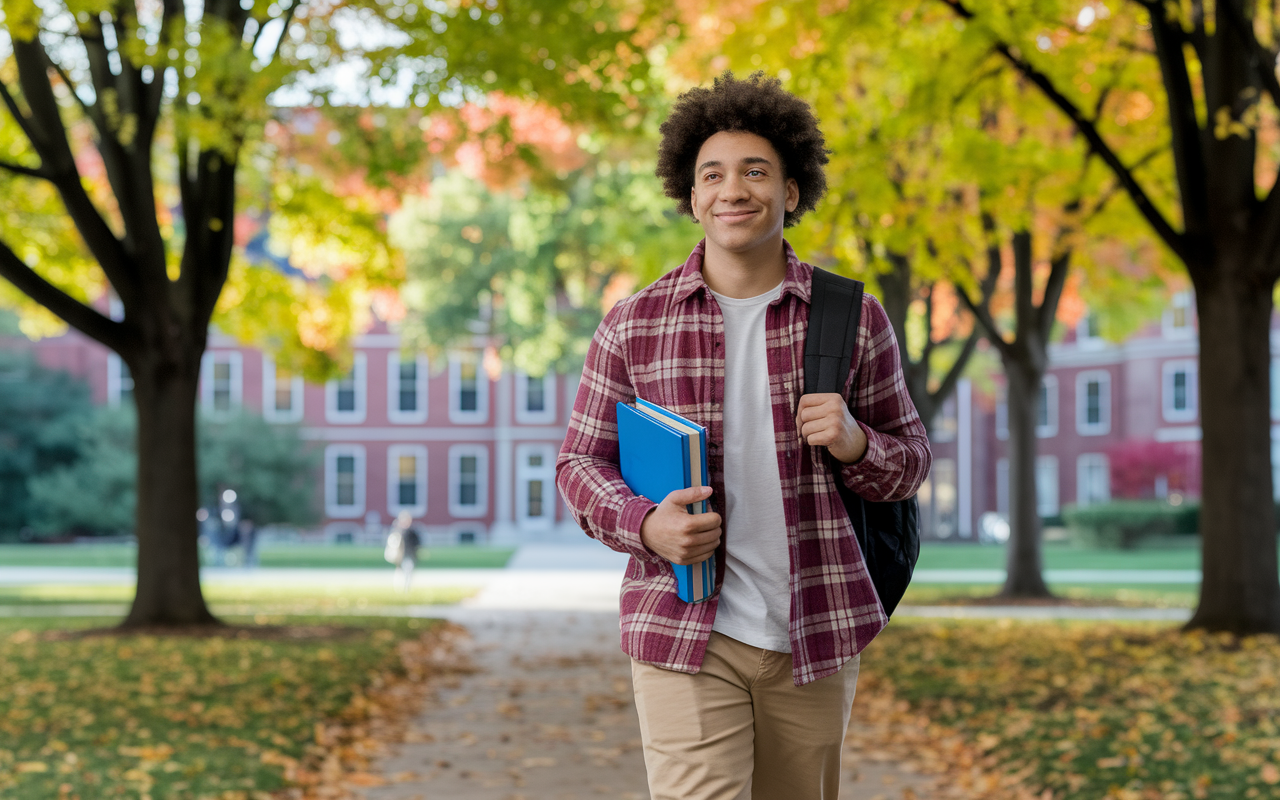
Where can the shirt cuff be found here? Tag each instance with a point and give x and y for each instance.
(629, 522)
(871, 466)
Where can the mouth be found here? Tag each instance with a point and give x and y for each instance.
(735, 216)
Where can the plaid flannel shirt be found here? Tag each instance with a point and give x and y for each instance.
(666, 344)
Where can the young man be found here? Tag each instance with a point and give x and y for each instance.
(747, 694)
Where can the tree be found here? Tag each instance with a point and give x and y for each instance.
(1213, 65)
(163, 101)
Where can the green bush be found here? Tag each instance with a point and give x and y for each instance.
(1124, 524)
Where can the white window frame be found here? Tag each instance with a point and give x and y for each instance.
(1002, 487)
(360, 372)
(1275, 391)
(394, 454)
(1002, 412)
(947, 422)
(235, 360)
(456, 414)
(1084, 339)
(545, 473)
(116, 380)
(1170, 368)
(547, 415)
(1083, 466)
(394, 414)
(1103, 426)
(296, 392)
(331, 507)
(481, 507)
(1049, 385)
(1047, 486)
(1184, 300)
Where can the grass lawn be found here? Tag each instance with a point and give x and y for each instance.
(233, 599)
(937, 555)
(1175, 595)
(281, 555)
(1084, 711)
(184, 717)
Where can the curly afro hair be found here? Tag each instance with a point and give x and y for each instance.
(756, 105)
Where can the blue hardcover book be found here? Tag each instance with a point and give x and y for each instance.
(659, 453)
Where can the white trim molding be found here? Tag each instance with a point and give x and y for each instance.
(479, 504)
(344, 455)
(418, 414)
(209, 390)
(358, 378)
(119, 381)
(1085, 426)
(1047, 484)
(1189, 370)
(460, 362)
(1088, 467)
(395, 478)
(535, 416)
(1178, 320)
(535, 486)
(1049, 391)
(270, 411)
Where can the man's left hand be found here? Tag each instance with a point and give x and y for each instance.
(824, 419)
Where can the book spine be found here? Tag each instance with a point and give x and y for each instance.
(696, 582)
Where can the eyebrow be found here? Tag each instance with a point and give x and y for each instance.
(747, 160)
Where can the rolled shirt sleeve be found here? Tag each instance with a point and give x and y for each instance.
(898, 458)
(587, 472)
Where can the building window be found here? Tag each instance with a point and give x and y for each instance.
(1047, 486)
(407, 479)
(947, 422)
(406, 388)
(1093, 479)
(119, 382)
(1047, 408)
(943, 477)
(1093, 403)
(535, 398)
(344, 481)
(1178, 317)
(535, 485)
(1002, 412)
(468, 389)
(221, 382)
(1088, 332)
(468, 480)
(345, 398)
(1180, 391)
(281, 393)
(1002, 487)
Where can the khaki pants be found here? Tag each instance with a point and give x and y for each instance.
(740, 728)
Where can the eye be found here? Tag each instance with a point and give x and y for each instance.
(755, 172)
(710, 176)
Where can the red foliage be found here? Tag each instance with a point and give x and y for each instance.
(1135, 466)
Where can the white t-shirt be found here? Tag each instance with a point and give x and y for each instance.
(755, 600)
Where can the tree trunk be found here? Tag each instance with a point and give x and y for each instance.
(1240, 592)
(168, 591)
(1024, 576)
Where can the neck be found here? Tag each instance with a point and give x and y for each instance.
(743, 274)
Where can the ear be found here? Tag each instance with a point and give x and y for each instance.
(793, 194)
(693, 204)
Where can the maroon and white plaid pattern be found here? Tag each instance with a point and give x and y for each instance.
(666, 344)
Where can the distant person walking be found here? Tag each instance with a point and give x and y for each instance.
(402, 550)
(249, 541)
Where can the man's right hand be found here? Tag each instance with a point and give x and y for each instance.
(678, 536)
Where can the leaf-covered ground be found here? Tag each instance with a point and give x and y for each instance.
(226, 717)
(1081, 711)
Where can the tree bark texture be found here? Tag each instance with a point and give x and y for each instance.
(1239, 592)
(168, 588)
(1024, 575)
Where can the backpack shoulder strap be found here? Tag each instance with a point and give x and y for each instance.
(835, 311)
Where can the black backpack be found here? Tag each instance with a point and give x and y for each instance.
(888, 533)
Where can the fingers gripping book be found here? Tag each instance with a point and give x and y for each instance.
(661, 452)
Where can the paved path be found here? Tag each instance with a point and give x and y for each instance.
(548, 715)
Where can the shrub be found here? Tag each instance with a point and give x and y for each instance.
(1123, 524)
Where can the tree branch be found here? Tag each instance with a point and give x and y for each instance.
(1261, 58)
(76, 314)
(949, 381)
(1053, 288)
(1089, 131)
(30, 172)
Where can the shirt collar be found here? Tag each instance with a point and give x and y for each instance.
(797, 281)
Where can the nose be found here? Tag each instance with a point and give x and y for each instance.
(734, 188)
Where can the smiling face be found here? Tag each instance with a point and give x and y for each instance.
(740, 194)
